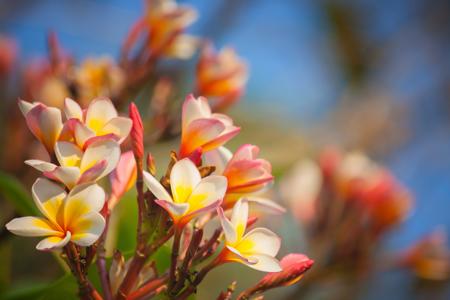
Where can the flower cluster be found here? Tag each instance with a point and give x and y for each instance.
(349, 197)
(83, 149)
(204, 180)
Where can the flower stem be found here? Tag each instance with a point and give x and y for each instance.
(101, 262)
(174, 257)
(86, 290)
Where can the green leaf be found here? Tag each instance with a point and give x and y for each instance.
(14, 191)
(64, 288)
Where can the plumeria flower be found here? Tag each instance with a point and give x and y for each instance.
(71, 217)
(163, 26)
(99, 121)
(247, 175)
(221, 75)
(44, 122)
(256, 249)
(98, 77)
(191, 194)
(203, 130)
(76, 166)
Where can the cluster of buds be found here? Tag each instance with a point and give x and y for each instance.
(349, 197)
(204, 180)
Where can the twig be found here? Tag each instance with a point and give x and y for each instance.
(101, 262)
(174, 258)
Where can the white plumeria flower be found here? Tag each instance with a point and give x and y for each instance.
(248, 176)
(77, 167)
(202, 130)
(71, 217)
(256, 249)
(191, 194)
(100, 120)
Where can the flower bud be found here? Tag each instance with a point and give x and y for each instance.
(137, 132)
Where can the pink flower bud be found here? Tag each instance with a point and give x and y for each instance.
(137, 132)
(122, 178)
(294, 265)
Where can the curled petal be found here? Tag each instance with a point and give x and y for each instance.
(198, 133)
(46, 124)
(156, 188)
(267, 204)
(124, 176)
(53, 242)
(176, 210)
(228, 228)
(94, 173)
(82, 134)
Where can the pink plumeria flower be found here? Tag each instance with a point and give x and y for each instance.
(221, 75)
(76, 166)
(247, 175)
(122, 178)
(71, 217)
(191, 194)
(99, 121)
(44, 122)
(256, 249)
(203, 130)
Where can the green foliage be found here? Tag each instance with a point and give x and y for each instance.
(64, 288)
(14, 191)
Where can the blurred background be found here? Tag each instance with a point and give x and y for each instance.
(367, 75)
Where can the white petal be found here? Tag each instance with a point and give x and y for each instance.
(239, 217)
(40, 165)
(227, 226)
(209, 190)
(82, 134)
(67, 175)
(156, 187)
(88, 229)
(68, 154)
(176, 210)
(184, 177)
(108, 150)
(194, 108)
(99, 112)
(265, 263)
(261, 241)
(25, 106)
(72, 110)
(219, 158)
(119, 126)
(53, 242)
(30, 226)
(267, 204)
(84, 198)
(48, 197)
